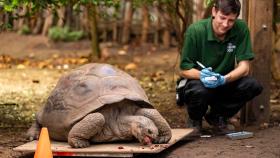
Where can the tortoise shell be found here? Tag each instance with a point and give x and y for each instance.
(85, 90)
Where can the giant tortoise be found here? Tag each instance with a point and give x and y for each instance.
(99, 103)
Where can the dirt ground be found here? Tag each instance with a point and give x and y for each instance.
(31, 65)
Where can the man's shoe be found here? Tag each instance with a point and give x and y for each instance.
(219, 123)
(215, 120)
(197, 124)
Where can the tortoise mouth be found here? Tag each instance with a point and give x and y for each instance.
(147, 140)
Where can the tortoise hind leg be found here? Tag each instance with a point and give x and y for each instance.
(80, 134)
(162, 125)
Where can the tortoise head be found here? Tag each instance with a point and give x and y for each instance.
(144, 130)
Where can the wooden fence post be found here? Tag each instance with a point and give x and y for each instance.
(260, 14)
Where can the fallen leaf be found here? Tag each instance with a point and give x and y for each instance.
(137, 59)
(165, 57)
(55, 56)
(20, 66)
(82, 60)
(65, 66)
(122, 52)
(130, 66)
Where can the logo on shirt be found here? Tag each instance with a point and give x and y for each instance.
(230, 47)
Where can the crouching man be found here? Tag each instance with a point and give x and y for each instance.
(222, 44)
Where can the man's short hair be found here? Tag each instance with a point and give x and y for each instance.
(228, 6)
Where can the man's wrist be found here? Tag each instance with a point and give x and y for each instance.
(227, 78)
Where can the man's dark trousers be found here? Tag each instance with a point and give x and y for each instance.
(225, 100)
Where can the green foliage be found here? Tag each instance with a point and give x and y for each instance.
(151, 1)
(17, 109)
(100, 2)
(25, 30)
(104, 3)
(5, 26)
(64, 34)
(276, 11)
(11, 5)
(15, 115)
(208, 2)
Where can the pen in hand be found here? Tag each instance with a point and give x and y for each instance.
(211, 78)
(201, 65)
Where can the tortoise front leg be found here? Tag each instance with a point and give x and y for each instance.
(162, 125)
(80, 134)
(34, 131)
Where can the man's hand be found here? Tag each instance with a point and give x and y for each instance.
(211, 79)
(221, 80)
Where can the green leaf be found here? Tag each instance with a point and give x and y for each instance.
(76, 6)
(8, 8)
(208, 2)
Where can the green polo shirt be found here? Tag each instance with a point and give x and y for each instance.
(202, 45)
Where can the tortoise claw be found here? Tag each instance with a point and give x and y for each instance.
(78, 143)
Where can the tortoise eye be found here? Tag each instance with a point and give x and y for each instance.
(150, 131)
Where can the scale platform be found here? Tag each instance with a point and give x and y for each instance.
(107, 150)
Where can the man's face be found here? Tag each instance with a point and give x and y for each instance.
(222, 23)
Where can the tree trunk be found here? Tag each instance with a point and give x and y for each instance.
(145, 24)
(166, 38)
(7, 18)
(245, 10)
(260, 23)
(245, 110)
(127, 21)
(157, 23)
(276, 65)
(1, 21)
(208, 10)
(38, 24)
(18, 23)
(61, 16)
(115, 31)
(84, 19)
(176, 22)
(166, 31)
(48, 21)
(68, 16)
(187, 9)
(199, 10)
(75, 20)
(92, 15)
(276, 54)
